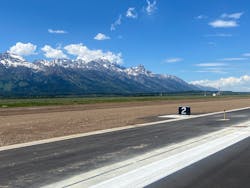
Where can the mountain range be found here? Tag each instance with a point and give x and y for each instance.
(77, 77)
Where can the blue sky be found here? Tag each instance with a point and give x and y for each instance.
(195, 40)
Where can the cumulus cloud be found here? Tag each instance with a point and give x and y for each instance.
(57, 31)
(228, 84)
(151, 7)
(53, 53)
(116, 23)
(223, 23)
(101, 36)
(131, 13)
(84, 53)
(235, 16)
(173, 60)
(23, 49)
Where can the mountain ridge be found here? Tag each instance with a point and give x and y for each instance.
(74, 77)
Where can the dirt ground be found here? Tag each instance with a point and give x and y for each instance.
(19, 125)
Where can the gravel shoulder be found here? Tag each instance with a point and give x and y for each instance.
(19, 125)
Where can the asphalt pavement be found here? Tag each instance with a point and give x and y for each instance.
(229, 168)
(39, 165)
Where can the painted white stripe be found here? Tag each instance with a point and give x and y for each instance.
(153, 172)
(45, 141)
(176, 116)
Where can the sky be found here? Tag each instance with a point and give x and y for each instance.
(202, 42)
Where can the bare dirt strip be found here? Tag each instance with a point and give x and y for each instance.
(19, 125)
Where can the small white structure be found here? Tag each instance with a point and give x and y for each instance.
(214, 94)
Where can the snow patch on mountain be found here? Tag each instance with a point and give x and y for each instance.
(139, 70)
(12, 60)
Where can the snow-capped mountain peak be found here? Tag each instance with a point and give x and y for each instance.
(66, 76)
(11, 57)
(139, 70)
(11, 60)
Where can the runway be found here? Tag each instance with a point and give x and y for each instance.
(44, 164)
(227, 168)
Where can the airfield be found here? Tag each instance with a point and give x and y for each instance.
(25, 124)
(132, 144)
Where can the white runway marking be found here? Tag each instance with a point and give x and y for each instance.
(153, 172)
(223, 120)
(178, 116)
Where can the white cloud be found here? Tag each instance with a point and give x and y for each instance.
(116, 23)
(201, 17)
(234, 59)
(228, 84)
(57, 31)
(213, 67)
(131, 13)
(210, 64)
(227, 20)
(151, 7)
(84, 53)
(101, 36)
(235, 16)
(173, 60)
(223, 23)
(212, 70)
(53, 53)
(23, 49)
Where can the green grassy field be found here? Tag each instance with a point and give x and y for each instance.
(8, 103)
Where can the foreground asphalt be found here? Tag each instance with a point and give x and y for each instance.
(229, 168)
(43, 164)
